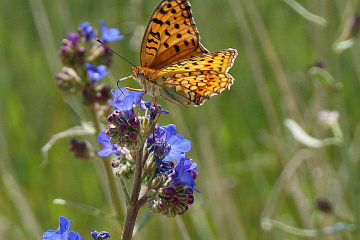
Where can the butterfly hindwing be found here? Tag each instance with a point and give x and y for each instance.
(193, 81)
(171, 35)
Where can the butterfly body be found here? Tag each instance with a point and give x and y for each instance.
(174, 64)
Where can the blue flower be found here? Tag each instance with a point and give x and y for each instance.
(62, 233)
(176, 144)
(87, 31)
(99, 235)
(153, 110)
(184, 172)
(109, 34)
(124, 99)
(96, 73)
(108, 147)
(167, 146)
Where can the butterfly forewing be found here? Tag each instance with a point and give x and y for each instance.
(193, 81)
(170, 36)
(174, 64)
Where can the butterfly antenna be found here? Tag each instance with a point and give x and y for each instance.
(106, 46)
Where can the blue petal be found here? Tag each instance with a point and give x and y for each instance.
(109, 34)
(87, 31)
(48, 234)
(96, 73)
(64, 225)
(182, 177)
(108, 147)
(73, 236)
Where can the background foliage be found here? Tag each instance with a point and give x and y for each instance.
(247, 159)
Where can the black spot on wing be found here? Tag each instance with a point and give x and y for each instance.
(177, 48)
(155, 34)
(158, 21)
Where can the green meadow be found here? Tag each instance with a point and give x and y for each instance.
(277, 155)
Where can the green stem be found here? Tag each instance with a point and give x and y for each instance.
(108, 170)
(133, 209)
(130, 219)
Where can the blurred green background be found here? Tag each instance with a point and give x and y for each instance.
(250, 166)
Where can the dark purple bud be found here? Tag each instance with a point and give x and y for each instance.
(169, 192)
(324, 205)
(190, 199)
(105, 88)
(73, 144)
(163, 204)
(175, 201)
(134, 121)
(123, 128)
(115, 163)
(133, 136)
(79, 148)
(189, 191)
(63, 50)
(111, 118)
(194, 175)
(320, 63)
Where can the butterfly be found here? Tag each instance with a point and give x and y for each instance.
(174, 64)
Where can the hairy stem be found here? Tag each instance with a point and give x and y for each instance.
(130, 219)
(133, 209)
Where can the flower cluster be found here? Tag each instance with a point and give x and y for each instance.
(169, 187)
(85, 62)
(64, 233)
(81, 149)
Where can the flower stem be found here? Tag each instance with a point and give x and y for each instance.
(130, 219)
(109, 173)
(133, 209)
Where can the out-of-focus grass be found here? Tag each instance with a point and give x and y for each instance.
(240, 143)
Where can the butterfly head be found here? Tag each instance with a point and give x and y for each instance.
(138, 73)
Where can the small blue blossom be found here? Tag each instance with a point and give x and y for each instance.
(87, 31)
(109, 34)
(183, 176)
(108, 147)
(124, 99)
(62, 233)
(153, 110)
(99, 235)
(96, 73)
(174, 144)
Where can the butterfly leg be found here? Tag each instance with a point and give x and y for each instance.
(141, 97)
(157, 119)
(157, 108)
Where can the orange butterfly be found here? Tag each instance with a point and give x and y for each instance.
(174, 64)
